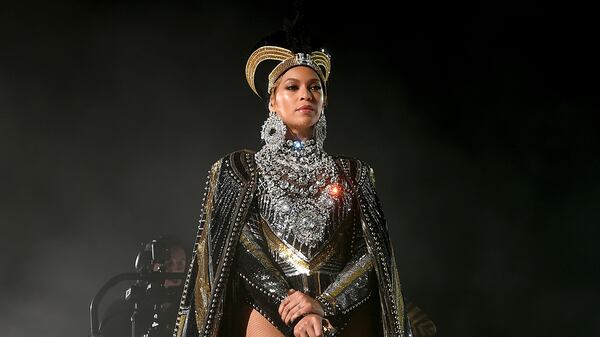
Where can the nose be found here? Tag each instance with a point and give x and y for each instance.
(306, 94)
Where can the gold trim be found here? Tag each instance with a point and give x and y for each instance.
(398, 296)
(362, 268)
(258, 253)
(263, 54)
(319, 61)
(323, 60)
(202, 285)
(180, 324)
(292, 256)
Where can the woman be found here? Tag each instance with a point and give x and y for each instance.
(292, 241)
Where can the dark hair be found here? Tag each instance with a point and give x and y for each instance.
(300, 34)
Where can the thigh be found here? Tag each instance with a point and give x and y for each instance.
(258, 325)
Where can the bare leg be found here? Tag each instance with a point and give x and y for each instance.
(257, 325)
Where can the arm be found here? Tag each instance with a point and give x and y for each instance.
(353, 285)
(262, 280)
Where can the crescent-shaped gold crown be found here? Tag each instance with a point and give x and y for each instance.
(319, 61)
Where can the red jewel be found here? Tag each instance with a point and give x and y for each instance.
(335, 190)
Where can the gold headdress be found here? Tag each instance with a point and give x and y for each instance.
(319, 61)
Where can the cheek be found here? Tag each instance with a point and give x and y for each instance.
(284, 103)
(287, 99)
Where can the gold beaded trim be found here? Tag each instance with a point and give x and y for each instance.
(317, 60)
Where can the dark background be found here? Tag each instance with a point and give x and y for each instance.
(477, 120)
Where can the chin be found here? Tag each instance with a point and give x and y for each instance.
(306, 122)
(303, 126)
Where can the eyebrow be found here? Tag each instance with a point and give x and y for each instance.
(297, 80)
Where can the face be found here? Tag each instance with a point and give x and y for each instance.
(298, 100)
(175, 264)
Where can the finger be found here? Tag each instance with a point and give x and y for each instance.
(288, 318)
(311, 305)
(282, 305)
(301, 310)
(292, 301)
(286, 309)
(298, 329)
(310, 329)
(290, 298)
(293, 316)
(305, 331)
(298, 311)
(287, 304)
(318, 328)
(291, 291)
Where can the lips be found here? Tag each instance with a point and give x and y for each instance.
(306, 108)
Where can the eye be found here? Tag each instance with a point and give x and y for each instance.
(292, 87)
(316, 87)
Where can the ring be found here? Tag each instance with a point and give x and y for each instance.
(327, 327)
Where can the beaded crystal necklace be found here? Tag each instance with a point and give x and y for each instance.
(302, 183)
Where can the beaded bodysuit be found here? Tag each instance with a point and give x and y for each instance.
(304, 222)
(250, 246)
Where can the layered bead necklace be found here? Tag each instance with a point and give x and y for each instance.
(303, 185)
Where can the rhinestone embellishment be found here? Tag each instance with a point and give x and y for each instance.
(302, 183)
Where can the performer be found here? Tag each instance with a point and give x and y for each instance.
(292, 241)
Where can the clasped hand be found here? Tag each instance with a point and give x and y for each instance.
(298, 304)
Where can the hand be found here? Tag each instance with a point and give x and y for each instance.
(297, 304)
(310, 325)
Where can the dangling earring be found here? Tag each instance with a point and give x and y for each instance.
(321, 129)
(273, 131)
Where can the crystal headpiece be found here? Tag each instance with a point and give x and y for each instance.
(319, 61)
